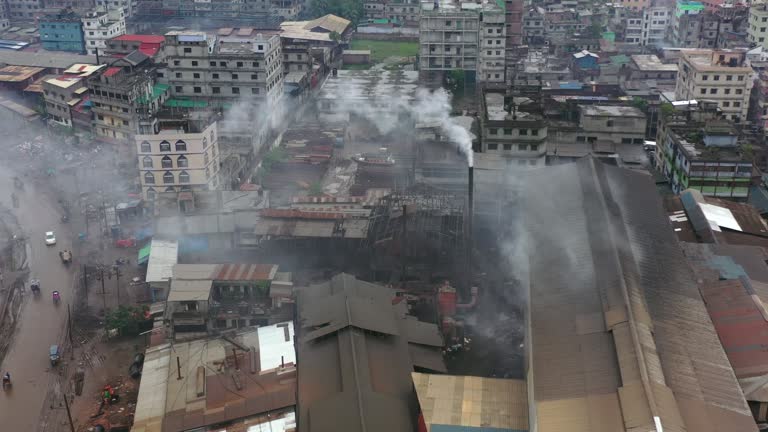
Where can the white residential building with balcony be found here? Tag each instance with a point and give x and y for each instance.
(174, 160)
(102, 25)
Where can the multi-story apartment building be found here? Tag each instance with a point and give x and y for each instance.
(716, 75)
(125, 98)
(127, 5)
(182, 156)
(635, 5)
(5, 16)
(102, 25)
(757, 31)
(24, 10)
(64, 93)
(633, 29)
(297, 55)
(696, 150)
(492, 58)
(518, 136)
(656, 19)
(220, 68)
(286, 10)
(685, 24)
(456, 37)
(533, 26)
(405, 12)
(62, 32)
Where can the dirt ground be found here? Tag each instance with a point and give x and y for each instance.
(115, 357)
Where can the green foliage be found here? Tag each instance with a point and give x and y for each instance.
(349, 9)
(640, 104)
(381, 50)
(335, 36)
(748, 152)
(666, 110)
(127, 319)
(455, 80)
(275, 155)
(595, 30)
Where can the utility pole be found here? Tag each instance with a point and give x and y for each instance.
(69, 414)
(103, 292)
(117, 280)
(85, 282)
(69, 332)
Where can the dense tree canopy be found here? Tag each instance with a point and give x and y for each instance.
(349, 9)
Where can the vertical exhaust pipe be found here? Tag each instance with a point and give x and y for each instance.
(470, 224)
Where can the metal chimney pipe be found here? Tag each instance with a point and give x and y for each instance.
(470, 224)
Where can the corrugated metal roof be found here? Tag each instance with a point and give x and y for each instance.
(356, 380)
(613, 256)
(245, 272)
(190, 290)
(740, 319)
(162, 258)
(472, 404)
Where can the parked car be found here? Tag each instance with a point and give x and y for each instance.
(50, 238)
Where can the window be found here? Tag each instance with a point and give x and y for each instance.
(739, 91)
(534, 147)
(100, 117)
(534, 132)
(179, 89)
(493, 146)
(254, 76)
(213, 63)
(146, 147)
(580, 139)
(741, 77)
(205, 158)
(182, 162)
(716, 77)
(507, 131)
(149, 178)
(729, 77)
(166, 162)
(183, 177)
(727, 91)
(187, 50)
(165, 146)
(703, 91)
(726, 104)
(254, 90)
(194, 62)
(168, 177)
(705, 77)
(507, 147)
(609, 123)
(737, 104)
(626, 140)
(713, 91)
(146, 162)
(493, 131)
(197, 89)
(125, 123)
(255, 64)
(170, 189)
(196, 75)
(235, 76)
(523, 147)
(239, 64)
(523, 131)
(216, 90)
(235, 90)
(223, 64)
(151, 194)
(181, 146)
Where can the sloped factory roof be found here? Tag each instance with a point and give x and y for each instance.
(620, 337)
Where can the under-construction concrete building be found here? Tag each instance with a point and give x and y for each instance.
(467, 37)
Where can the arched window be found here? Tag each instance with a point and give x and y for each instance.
(146, 162)
(181, 146)
(151, 194)
(168, 177)
(165, 146)
(167, 162)
(183, 177)
(182, 162)
(146, 147)
(149, 178)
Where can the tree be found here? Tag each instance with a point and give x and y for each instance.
(127, 320)
(666, 109)
(640, 103)
(335, 36)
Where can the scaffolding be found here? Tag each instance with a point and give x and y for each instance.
(423, 232)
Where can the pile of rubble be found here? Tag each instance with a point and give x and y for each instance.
(113, 413)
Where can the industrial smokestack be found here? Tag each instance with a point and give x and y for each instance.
(470, 224)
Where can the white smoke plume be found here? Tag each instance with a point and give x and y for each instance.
(425, 107)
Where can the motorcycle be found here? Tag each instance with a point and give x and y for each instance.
(56, 297)
(6, 382)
